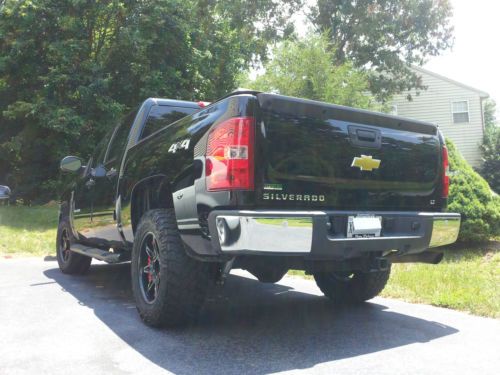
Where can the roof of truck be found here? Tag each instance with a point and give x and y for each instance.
(173, 102)
(330, 105)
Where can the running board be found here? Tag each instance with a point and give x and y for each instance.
(106, 256)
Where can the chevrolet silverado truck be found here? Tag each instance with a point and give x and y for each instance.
(261, 182)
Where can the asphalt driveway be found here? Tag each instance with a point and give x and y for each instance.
(58, 324)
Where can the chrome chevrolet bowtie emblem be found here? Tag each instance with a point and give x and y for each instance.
(365, 163)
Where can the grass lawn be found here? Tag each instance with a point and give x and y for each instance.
(468, 278)
(28, 230)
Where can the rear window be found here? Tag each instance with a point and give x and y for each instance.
(163, 115)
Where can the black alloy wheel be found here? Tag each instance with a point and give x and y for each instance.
(69, 261)
(64, 245)
(149, 266)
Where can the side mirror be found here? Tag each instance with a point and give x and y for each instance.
(71, 164)
(4, 192)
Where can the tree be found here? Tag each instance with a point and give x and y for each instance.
(50, 70)
(490, 169)
(70, 68)
(385, 37)
(236, 34)
(303, 68)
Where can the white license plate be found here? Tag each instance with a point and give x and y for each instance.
(364, 226)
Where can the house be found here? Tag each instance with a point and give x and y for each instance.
(455, 107)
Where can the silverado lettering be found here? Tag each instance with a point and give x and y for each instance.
(293, 197)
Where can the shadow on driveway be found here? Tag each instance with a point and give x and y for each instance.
(247, 326)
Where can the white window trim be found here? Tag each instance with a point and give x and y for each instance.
(452, 113)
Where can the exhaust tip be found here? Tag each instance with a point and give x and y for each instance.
(222, 230)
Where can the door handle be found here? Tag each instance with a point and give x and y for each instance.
(111, 173)
(365, 136)
(90, 183)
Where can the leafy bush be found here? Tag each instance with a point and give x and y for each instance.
(471, 196)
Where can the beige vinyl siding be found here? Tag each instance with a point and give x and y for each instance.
(435, 105)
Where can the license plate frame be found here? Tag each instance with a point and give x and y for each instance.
(364, 226)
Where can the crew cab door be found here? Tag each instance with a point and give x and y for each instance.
(105, 180)
(81, 204)
(82, 194)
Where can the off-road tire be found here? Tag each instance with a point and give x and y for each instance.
(69, 262)
(183, 281)
(354, 288)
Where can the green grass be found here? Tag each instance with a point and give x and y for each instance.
(28, 230)
(468, 279)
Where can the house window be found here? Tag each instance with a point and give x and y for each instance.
(460, 110)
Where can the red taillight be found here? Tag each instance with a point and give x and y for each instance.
(446, 169)
(230, 156)
(203, 104)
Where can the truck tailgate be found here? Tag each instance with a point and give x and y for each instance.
(313, 154)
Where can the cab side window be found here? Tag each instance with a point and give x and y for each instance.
(100, 150)
(119, 140)
(163, 115)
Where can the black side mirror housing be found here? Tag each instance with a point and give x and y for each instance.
(71, 164)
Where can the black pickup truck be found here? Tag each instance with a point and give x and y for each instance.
(261, 182)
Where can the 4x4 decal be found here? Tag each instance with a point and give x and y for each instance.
(179, 145)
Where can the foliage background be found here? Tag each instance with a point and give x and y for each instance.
(385, 37)
(303, 68)
(70, 68)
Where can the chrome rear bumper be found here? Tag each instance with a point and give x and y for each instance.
(275, 233)
(445, 230)
(313, 233)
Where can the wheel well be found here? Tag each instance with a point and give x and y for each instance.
(147, 195)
